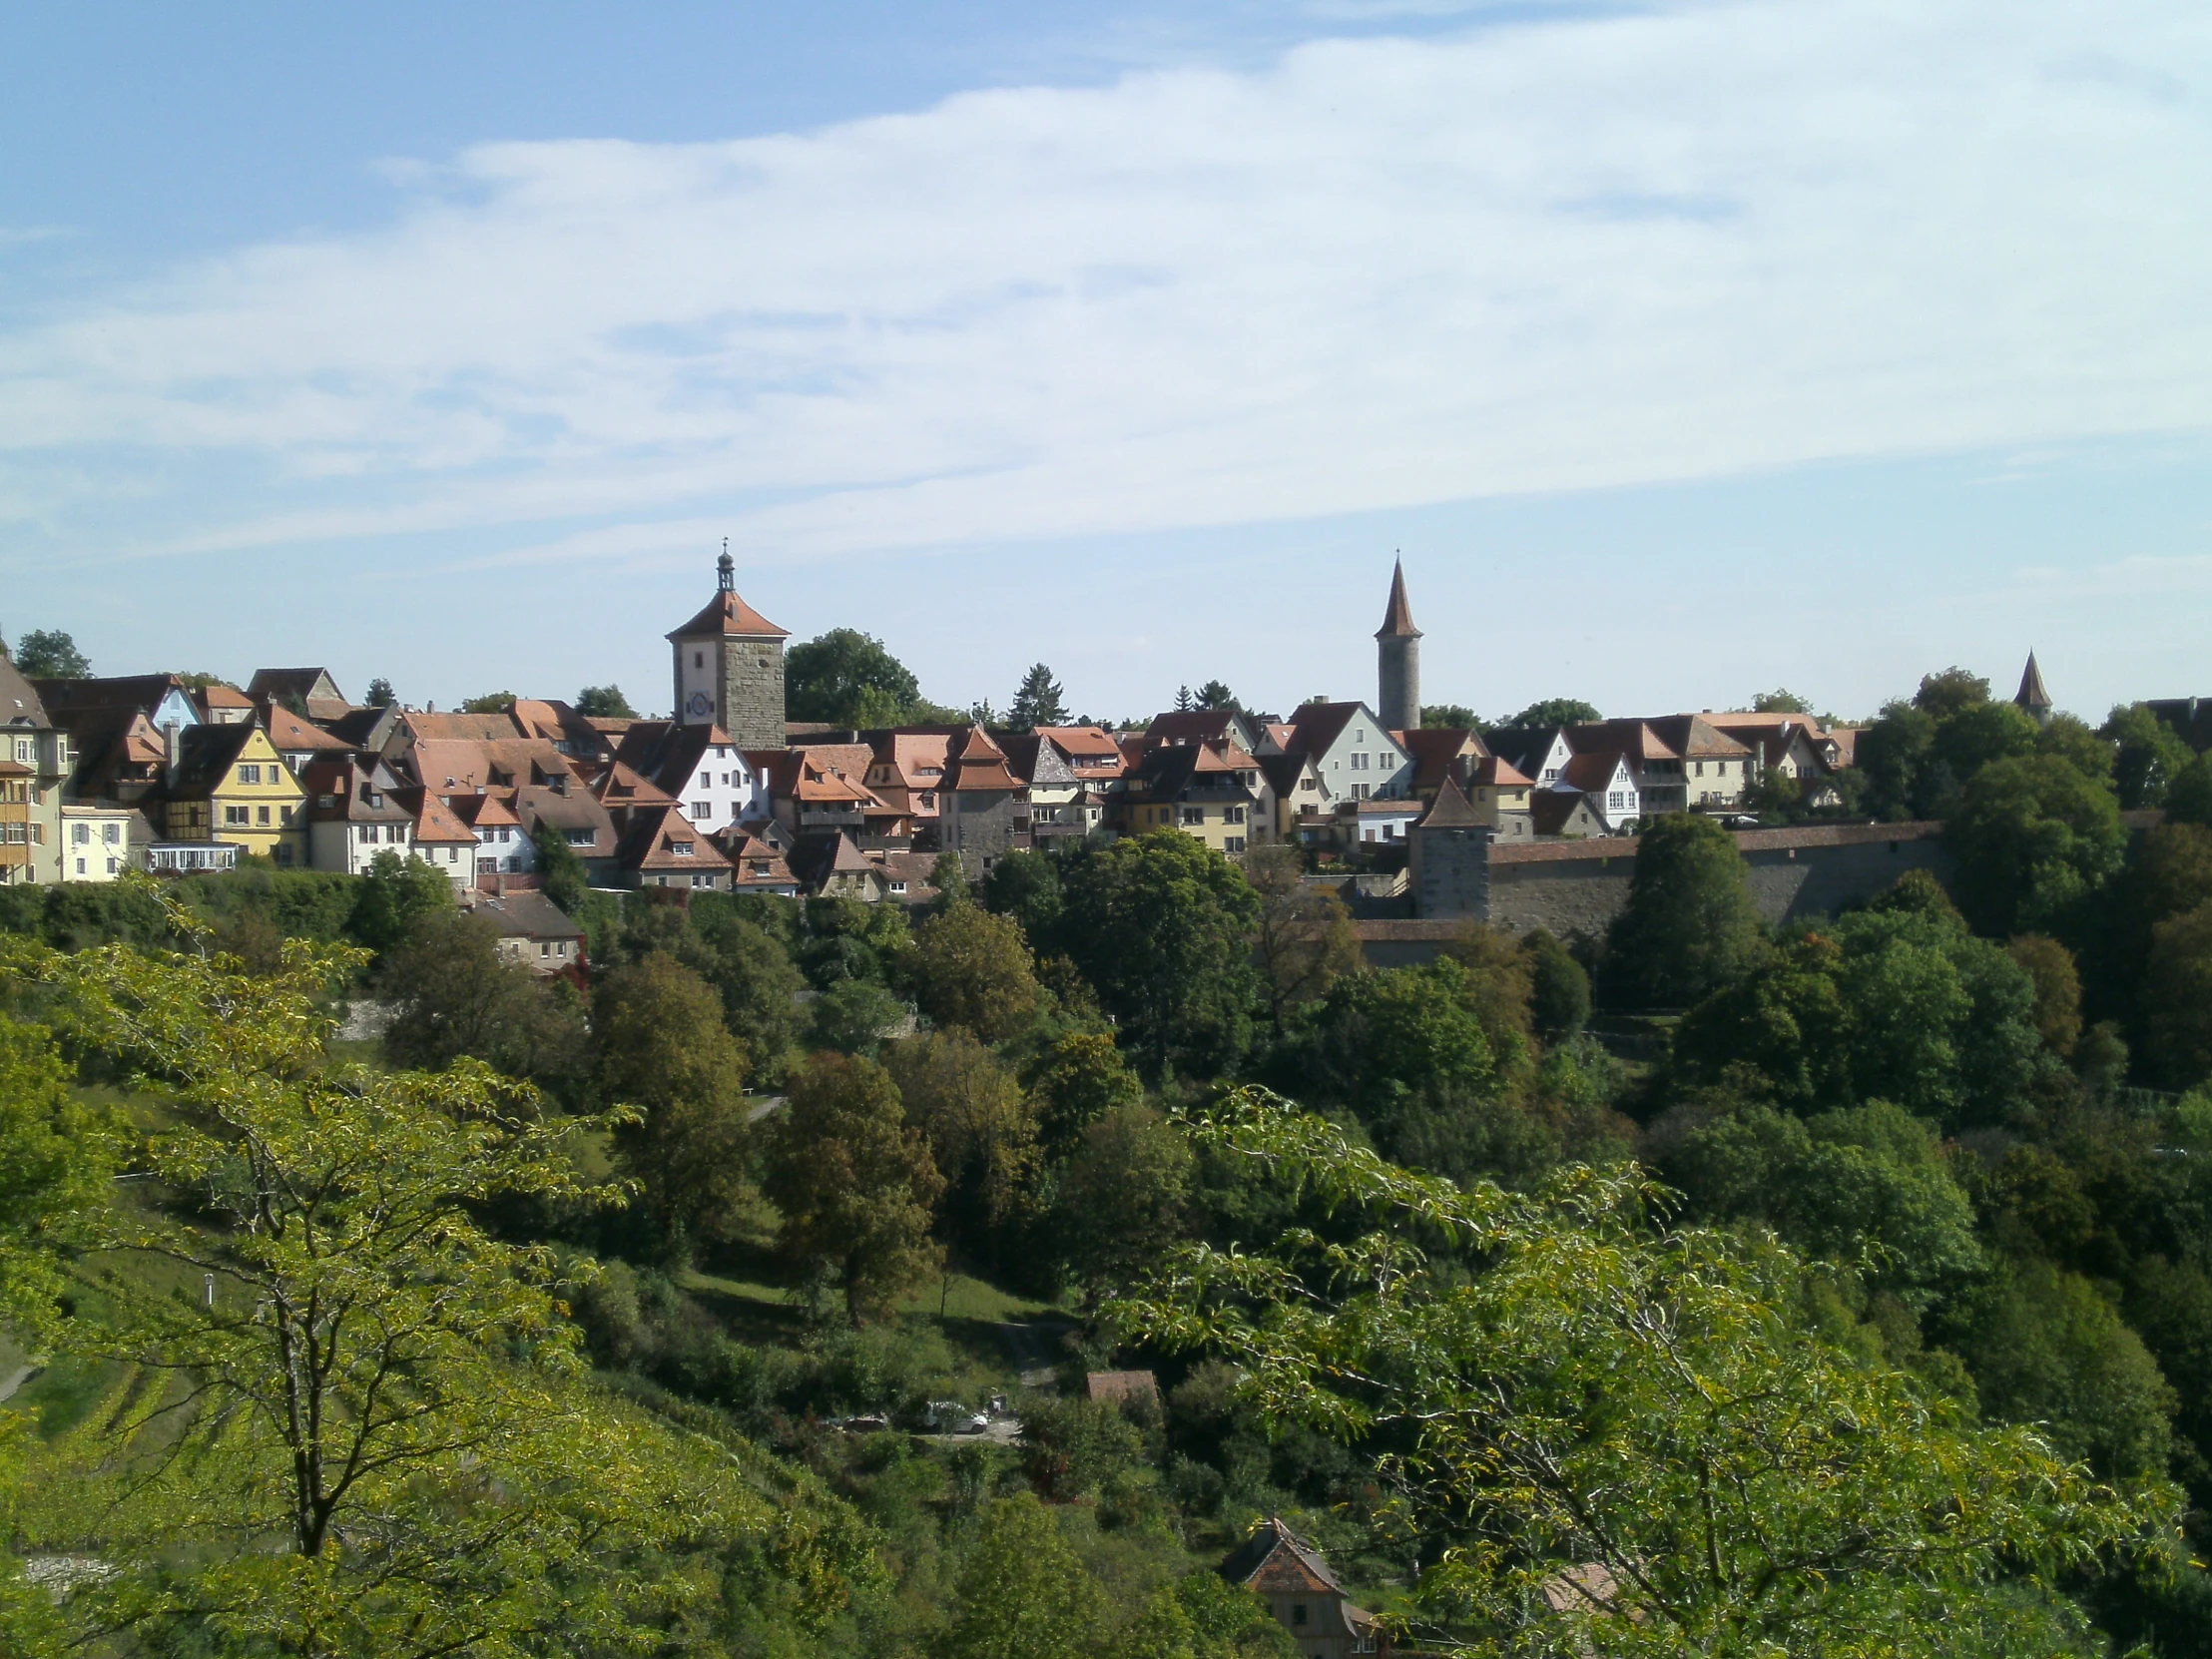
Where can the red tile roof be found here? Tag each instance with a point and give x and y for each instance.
(729, 617)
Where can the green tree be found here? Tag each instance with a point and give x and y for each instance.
(1161, 926)
(491, 702)
(604, 703)
(1214, 694)
(364, 1437)
(1077, 1081)
(2051, 967)
(2035, 839)
(1564, 1388)
(2177, 998)
(393, 898)
(1948, 693)
(2047, 1348)
(453, 995)
(1558, 988)
(980, 1128)
(1553, 710)
(758, 985)
(661, 1047)
(54, 1162)
(854, 1016)
(1972, 736)
(1894, 754)
(1123, 1197)
(854, 1184)
(847, 678)
(380, 694)
(1689, 926)
(1306, 942)
(50, 654)
(561, 871)
(972, 969)
(1026, 887)
(1450, 717)
(1779, 701)
(2189, 797)
(1389, 1035)
(1038, 701)
(1022, 1593)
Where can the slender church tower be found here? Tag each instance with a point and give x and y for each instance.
(1397, 646)
(729, 668)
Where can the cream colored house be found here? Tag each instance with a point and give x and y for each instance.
(97, 841)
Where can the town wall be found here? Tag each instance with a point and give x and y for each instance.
(1579, 887)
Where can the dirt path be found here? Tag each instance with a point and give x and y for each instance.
(1035, 1348)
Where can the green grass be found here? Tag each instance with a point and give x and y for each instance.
(63, 1395)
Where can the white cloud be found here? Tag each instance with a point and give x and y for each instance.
(1574, 254)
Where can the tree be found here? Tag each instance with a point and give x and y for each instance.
(2177, 998)
(661, 1047)
(1122, 1197)
(980, 1128)
(752, 972)
(1392, 1035)
(847, 678)
(2034, 840)
(1077, 1081)
(1305, 940)
(2189, 795)
(855, 1183)
(1450, 717)
(972, 969)
(1894, 757)
(1689, 926)
(1022, 1593)
(1026, 887)
(393, 896)
(363, 1436)
(1558, 988)
(1553, 710)
(1038, 701)
(1945, 693)
(561, 871)
(2050, 966)
(54, 1162)
(1563, 1388)
(1215, 695)
(854, 1016)
(50, 654)
(380, 694)
(1779, 701)
(1972, 736)
(604, 703)
(1161, 926)
(491, 702)
(453, 995)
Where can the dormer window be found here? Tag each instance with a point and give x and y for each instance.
(683, 850)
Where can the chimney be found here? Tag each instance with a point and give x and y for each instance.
(173, 742)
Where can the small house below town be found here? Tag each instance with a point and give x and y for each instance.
(1303, 1595)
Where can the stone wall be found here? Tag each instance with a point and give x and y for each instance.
(753, 692)
(1579, 887)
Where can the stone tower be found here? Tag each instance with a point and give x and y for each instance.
(1397, 645)
(729, 668)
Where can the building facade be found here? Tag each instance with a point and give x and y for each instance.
(729, 663)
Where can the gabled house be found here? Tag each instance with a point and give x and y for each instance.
(504, 848)
(1305, 1596)
(1092, 755)
(1055, 804)
(1212, 793)
(533, 930)
(1353, 756)
(756, 866)
(818, 790)
(222, 705)
(441, 839)
(905, 773)
(117, 755)
(355, 811)
(1540, 752)
(699, 766)
(163, 697)
(1604, 779)
(102, 841)
(1787, 746)
(228, 785)
(829, 864)
(661, 848)
(313, 689)
(977, 807)
(39, 752)
(1296, 788)
(616, 786)
(301, 742)
(1184, 726)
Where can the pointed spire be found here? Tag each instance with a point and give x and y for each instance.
(2032, 695)
(1450, 810)
(1397, 619)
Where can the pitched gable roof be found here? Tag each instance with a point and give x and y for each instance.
(1450, 810)
(1276, 1559)
(19, 702)
(294, 736)
(205, 755)
(727, 615)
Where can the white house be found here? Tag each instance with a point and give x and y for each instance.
(96, 842)
(1353, 756)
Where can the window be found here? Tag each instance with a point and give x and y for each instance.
(1360, 763)
(683, 850)
(113, 866)
(81, 835)
(1359, 791)
(1616, 799)
(261, 815)
(544, 949)
(703, 810)
(1233, 814)
(699, 659)
(706, 780)
(80, 866)
(1298, 1612)
(1232, 844)
(249, 772)
(580, 838)
(285, 817)
(897, 886)
(1194, 815)
(234, 816)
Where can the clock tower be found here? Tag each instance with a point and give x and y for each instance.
(729, 668)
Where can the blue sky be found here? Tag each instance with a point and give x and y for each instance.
(1684, 350)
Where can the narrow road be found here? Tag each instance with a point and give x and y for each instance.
(1035, 1348)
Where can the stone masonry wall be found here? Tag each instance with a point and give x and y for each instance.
(1581, 886)
(753, 692)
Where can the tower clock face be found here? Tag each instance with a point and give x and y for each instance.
(699, 703)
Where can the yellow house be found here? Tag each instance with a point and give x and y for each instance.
(228, 783)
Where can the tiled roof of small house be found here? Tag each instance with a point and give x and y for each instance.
(726, 616)
(294, 736)
(1593, 769)
(1498, 771)
(1091, 749)
(753, 862)
(486, 812)
(216, 694)
(1274, 1558)
(435, 823)
(524, 915)
(662, 838)
(1562, 812)
(1450, 810)
(980, 767)
(616, 784)
(19, 700)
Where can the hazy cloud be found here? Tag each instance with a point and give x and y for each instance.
(1559, 255)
